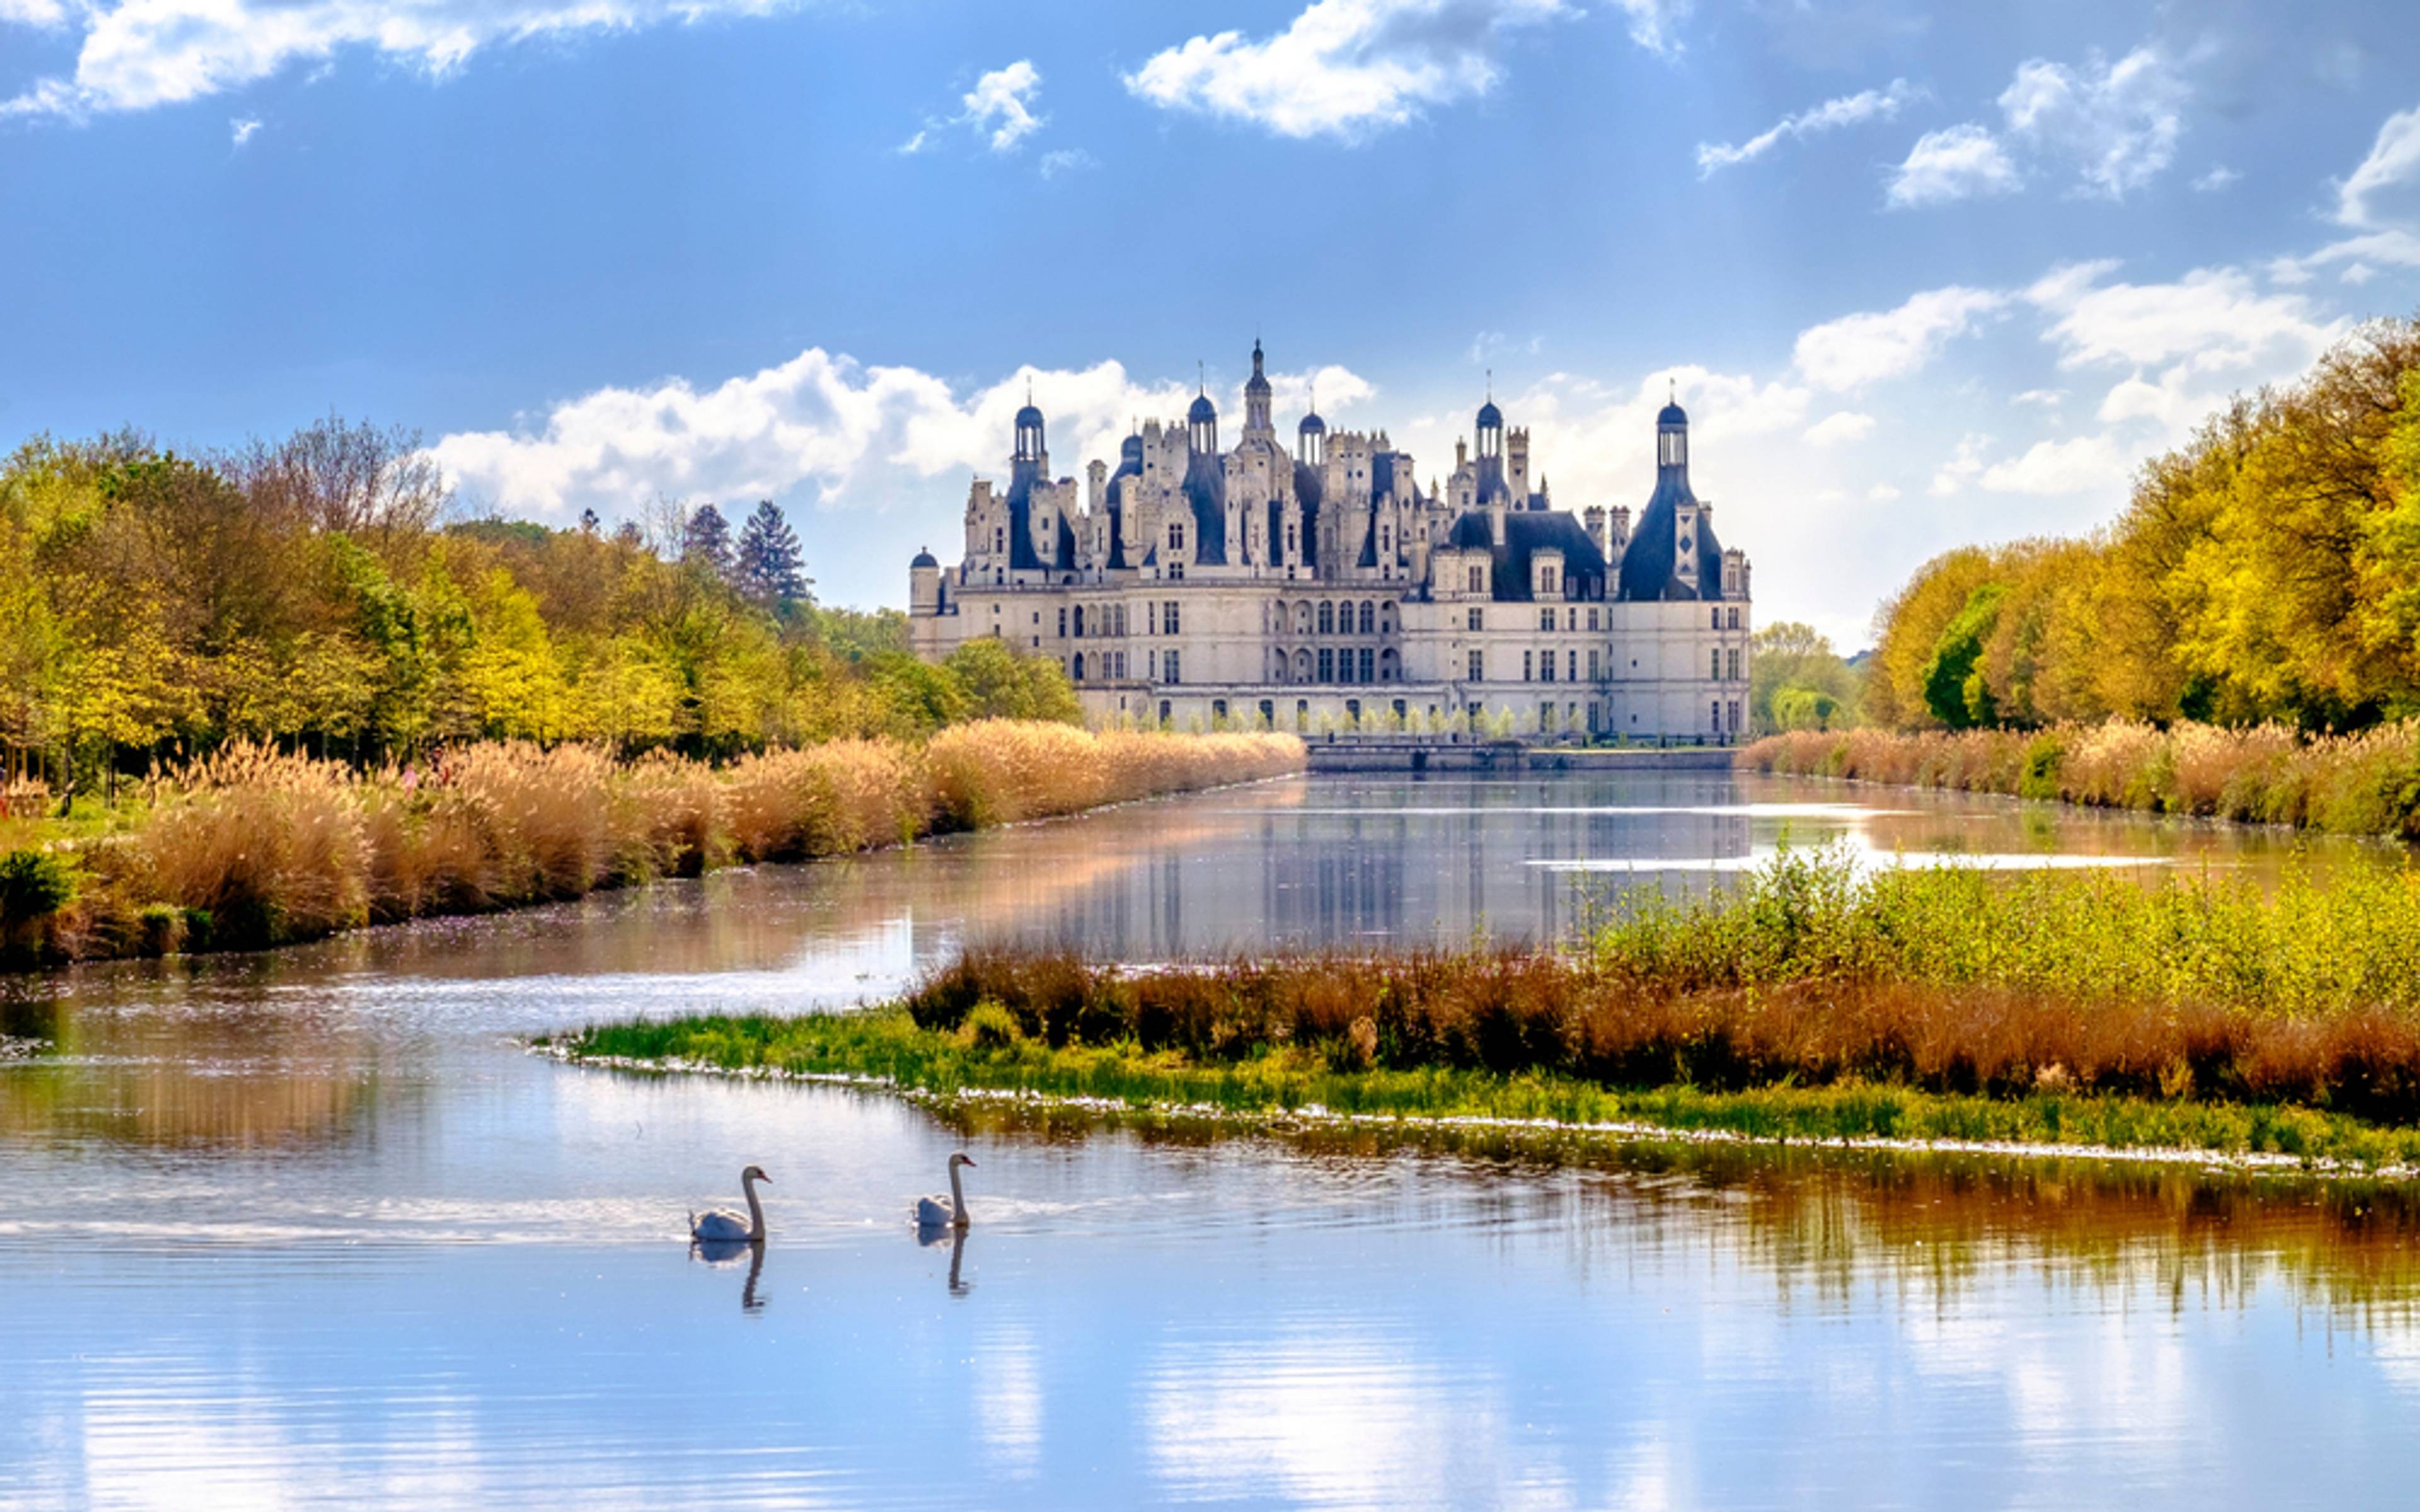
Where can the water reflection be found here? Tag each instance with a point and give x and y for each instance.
(308, 1227)
(722, 1254)
(927, 1238)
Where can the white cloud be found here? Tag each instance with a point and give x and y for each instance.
(1873, 345)
(1839, 427)
(2080, 465)
(2047, 398)
(2212, 320)
(2357, 274)
(34, 13)
(2393, 164)
(2218, 178)
(1955, 162)
(1001, 103)
(243, 129)
(1067, 160)
(140, 54)
(1964, 465)
(1655, 22)
(858, 435)
(2118, 123)
(1350, 68)
(1881, 493)
(1848, 110)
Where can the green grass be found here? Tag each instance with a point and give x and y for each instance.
(887, 1045)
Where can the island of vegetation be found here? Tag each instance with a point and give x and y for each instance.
(258, 698)
(1813, 1001)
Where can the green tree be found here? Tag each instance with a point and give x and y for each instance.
(770, 568)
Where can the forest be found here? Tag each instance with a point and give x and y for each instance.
(2265, 572)
(326, 594)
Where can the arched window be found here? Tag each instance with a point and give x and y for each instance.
(1327, 619)
(1302, 619)
(1388, 670)
(1387, 617)
(1077, 671)
(1369, 617)
(1302, 666)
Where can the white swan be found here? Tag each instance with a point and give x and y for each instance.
(723, 1225)
(949, 1212)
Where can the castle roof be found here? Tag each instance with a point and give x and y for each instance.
(1527, 533)
(1648, 562)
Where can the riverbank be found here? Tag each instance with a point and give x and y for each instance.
(2359, 784)
(254, 848)
(1808, 1001)
(885, 1050)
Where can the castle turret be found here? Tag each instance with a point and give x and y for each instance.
(923, 584)
(1257, 425)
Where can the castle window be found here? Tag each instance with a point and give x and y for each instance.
(1718, 617)
(1217, 711)
(1063, 622)
(1545, 619)
(1478, 620)
(1592, 664)
(1717, 674)
(1168, 664)
(1150, 619)
(1734, 664)
(1326, 664)
(1302, 713)
(1735, 619)
(1328, 619)
(1529, 666)
(1591, 619)
(1571, 619)
(1176, 572)
(1175, 536)
(1387, 617)
(1546, 666)
(1367, 655)
(1478, 671)
(1718, 718)
(1369, 617)
(1477, 583)
(1168, 617)
(1164, 716)
(1268, 715)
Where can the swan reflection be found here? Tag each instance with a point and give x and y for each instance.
(721, 1253)
(927, 1238)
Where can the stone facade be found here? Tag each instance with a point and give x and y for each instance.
(1323, 588)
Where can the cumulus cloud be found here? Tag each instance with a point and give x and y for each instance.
(2220, 177)
(140, 54)
(2211, 321)
(1348, 68)
(1001, 105)
(34, 13)
(857, 435)
(2080, 465)
(1655, 24)
(1839, 427)
(2117, 123)
(1955, 162)
(1963, 466)
(243, 129)
(1866, 347)
(1831, 115)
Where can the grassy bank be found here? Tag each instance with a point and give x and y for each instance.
(253, 848)
(1810, 1001)
(2361, 784)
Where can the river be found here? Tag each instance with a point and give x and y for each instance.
(311, 1230)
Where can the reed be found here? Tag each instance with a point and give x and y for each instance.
(255, 847)
(2359, 784)
(2047, 996)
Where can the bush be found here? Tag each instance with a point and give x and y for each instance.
(32, 884)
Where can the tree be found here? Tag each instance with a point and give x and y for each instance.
(1954, 690)
(706, 542)
(770, 568)
(1790, 655)
(1003, 683)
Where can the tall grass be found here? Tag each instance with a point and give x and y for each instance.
(2359, 784)
(253, 847)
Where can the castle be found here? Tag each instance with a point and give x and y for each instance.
(1324, 589)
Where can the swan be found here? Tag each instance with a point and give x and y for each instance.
(949, 1212)
(725, 1225)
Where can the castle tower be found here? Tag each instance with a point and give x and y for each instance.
(1032, 459)
(1257, 425)
(1202, 426)
(1672, 467)
(1311, 440)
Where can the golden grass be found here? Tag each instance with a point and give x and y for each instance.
(253, 847)
(2360, 784)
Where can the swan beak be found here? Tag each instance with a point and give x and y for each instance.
(762, 1177)
(970, 1160)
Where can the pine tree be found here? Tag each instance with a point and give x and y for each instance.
(771, 567)
(706, 541)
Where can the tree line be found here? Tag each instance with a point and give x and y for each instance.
(324, 592)
(2266, 570)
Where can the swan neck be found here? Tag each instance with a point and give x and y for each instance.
(958, 1197)
(755, 1209)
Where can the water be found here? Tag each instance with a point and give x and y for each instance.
(310, 1229)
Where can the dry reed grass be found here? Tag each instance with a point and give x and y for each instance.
(253, 847)
(2360, 784)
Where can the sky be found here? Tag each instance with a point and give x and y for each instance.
(1922, 275)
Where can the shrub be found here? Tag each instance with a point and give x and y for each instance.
(32, 883)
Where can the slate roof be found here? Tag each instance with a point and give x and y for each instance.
(1527, 532)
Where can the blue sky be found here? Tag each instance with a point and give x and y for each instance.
(1924, 275)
